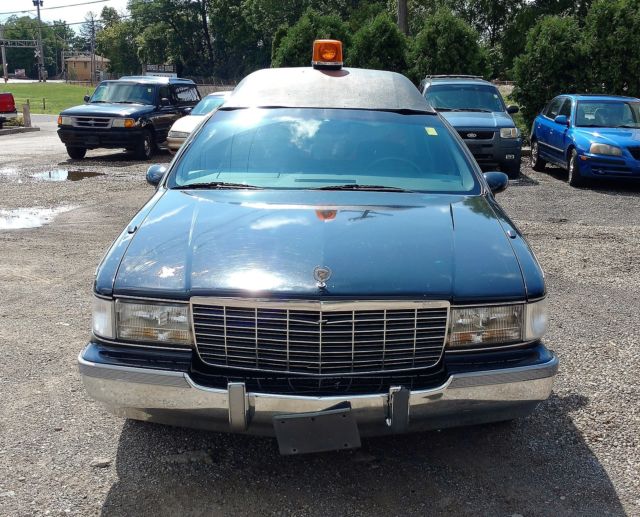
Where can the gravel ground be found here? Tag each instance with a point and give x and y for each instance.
(61, 453)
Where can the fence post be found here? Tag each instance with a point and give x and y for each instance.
(26, 115)
(44, 104)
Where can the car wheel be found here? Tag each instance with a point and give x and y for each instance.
(512, 170)
(145, 147)
(537, 163)
(77, 153)
(575, 178)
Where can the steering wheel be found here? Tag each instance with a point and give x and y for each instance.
(398, 159)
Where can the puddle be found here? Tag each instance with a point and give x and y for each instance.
(65, 175)
(21, 218)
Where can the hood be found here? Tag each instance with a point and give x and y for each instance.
(619, 136)
(227, 243)
(475, 120)
(105, 110)
(187, 124)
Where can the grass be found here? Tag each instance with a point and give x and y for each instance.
(57, 96)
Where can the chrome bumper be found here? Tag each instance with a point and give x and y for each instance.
(174, 398)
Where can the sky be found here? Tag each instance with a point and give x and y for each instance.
(74, 13)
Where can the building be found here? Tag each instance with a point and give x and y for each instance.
(78, 68)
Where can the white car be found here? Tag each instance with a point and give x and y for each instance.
(183, 127)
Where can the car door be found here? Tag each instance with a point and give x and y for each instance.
(545, 126)
(168, 112)
(559, 134)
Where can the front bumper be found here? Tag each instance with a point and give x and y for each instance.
(598, 166)
(110, 138)
(172, 397)
(495, 152)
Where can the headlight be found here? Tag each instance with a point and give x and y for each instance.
(64, 121)
(178, 134)
(103, 321)
(156, 322)
(123, 122)
(610, 150)
(497, 325)
(509, 132)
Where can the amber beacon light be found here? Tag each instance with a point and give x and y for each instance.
(327, 54)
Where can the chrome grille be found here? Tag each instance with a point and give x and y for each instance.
(97, 122)
(319, 338)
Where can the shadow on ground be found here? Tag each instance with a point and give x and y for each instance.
(610, 186)
(534, 466)
(118, 158)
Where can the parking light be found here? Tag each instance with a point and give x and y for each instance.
(124, 122)
(327, 54)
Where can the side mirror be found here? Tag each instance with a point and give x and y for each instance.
(155, 174)
(497, 181)
(165, 102)
(87, 98)
(187, 110)
(512, 109)
(562, 120)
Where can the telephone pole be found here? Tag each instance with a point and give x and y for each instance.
(40, 51)
(403, 23)
(5, 72)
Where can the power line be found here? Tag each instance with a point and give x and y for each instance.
(55, 7)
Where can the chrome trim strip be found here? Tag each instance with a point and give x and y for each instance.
(318, 305)
(144, 299)
(488, 348)
(141, 345)
(551, 146)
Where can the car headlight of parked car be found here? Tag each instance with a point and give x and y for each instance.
(178, 134)
(509, 132)
(124, 122)
(607, 149)
(132, 320)
(64, 121)
(497, 325)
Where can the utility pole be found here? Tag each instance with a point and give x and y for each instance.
(93, 49)
(40, 51)
(403, 23)
(5, 72)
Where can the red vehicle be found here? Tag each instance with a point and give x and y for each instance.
(7, 108)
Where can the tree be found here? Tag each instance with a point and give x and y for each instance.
(295, 47)
(612, 40)
(553, 62)
(379, 45)
(446, 45)
(117, 43)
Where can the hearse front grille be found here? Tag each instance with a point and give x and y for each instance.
(319, 338)
(92, 122)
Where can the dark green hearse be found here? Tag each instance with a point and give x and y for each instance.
(323, 260)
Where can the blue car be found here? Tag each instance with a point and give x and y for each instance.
(592, 136)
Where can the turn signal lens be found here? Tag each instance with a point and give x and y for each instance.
(327, 53)
(124, 122)
(59, 120)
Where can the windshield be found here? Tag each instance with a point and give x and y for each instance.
(465, 97)
(126, 93)
(207, 105)
(291, 148)
(608, 114)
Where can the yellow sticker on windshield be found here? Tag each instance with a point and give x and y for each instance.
(431, 131)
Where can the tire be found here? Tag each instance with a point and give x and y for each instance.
(77, 153)
(575, 178)
(512, 170)
(537, 163)
(146, 146)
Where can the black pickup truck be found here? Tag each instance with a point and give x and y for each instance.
(134, 113)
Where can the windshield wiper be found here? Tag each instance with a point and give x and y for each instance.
(481, 110)
(218, 185)
(627, 126)
(355, 186)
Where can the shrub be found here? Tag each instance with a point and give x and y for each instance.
(380, 45)
(552, 63)
(446, 45)
(294, 48)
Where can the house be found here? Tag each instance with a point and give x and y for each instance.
(79, 67)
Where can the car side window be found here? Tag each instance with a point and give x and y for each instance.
(163, 93)
(566, 108)
(186, 95)
(554, 108)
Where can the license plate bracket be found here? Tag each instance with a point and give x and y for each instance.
(328, 430)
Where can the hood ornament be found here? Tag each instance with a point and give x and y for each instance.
(321, 275)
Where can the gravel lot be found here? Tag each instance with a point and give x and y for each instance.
(60, 453)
